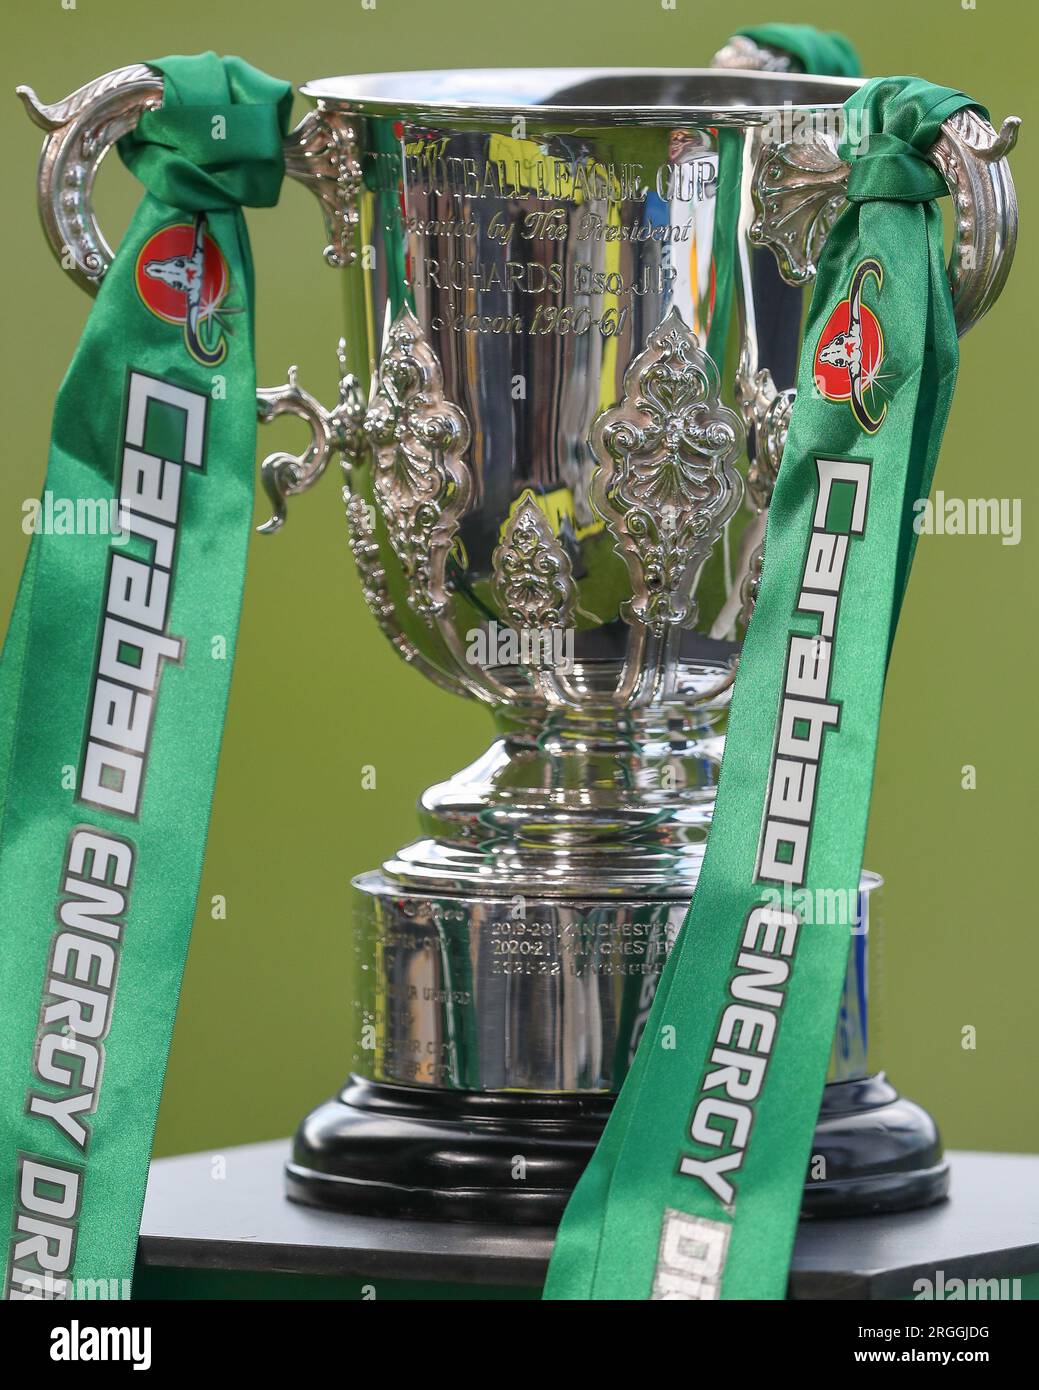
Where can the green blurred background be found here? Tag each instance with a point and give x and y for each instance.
(318, 693)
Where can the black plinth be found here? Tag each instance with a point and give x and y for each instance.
(414, 1151)
(226, 1215)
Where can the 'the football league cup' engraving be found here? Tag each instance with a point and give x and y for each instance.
(527, 242)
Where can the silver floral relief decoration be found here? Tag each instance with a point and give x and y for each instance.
(798, 190)
(747, 55)
(365, 549)
(321, 152)
(751, 584)
(421, 481)
(766, 412)
(532, 575)
(666, 484)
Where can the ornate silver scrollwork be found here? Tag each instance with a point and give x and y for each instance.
(798, 194)
(422, 483)
(81, 130)
(321, 152)
(666, 484)
(747, 55)
(799, 188)
(973, 161)
(532, 581)
(532, 575)
(364, 547)
(751, 583)
(336, 431)
(766, 411)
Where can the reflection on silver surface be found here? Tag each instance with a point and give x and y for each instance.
(494, 994)
(544, 494)
(700, 97)
(557, 273)
(536, 994)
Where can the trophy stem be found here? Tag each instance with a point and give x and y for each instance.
(494, 1027)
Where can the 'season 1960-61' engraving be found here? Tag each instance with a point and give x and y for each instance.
(526, 242)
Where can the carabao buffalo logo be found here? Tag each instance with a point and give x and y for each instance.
(182, 277)
(850, 352)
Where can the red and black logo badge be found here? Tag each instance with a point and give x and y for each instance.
(182, 277)
(850, 352)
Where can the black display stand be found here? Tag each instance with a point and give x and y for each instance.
(219, 1225)
(425, 1153)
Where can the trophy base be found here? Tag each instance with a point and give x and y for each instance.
(408, 1151)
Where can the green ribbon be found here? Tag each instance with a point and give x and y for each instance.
(695, 1187)
(114, 682)
(825, 55)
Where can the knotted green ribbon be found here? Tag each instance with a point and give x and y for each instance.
(114, 682)
(695, 1187)
(215, 143)
(827, 54)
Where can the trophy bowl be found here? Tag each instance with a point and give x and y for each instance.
(558, 462)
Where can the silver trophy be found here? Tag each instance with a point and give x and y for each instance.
(556, 484)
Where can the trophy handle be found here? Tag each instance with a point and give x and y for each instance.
(336, 431)
(341, 431)
(320, 152)
(798, 189)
